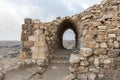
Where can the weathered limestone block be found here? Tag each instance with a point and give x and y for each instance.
(107, 66)
(86, 17)
(84, 63)
(36, 26)
(116, 44)
(93, 69)
(107, 61)
(101, 37)
(27, 61)
(96, 62)
(90, 44)
(92, 76)
(28, 21)
(111, 35)
(41, 62)
(102, 27)
(88, 38)
(41, 38)
(107, 16)
(74, 58)
(83, 69)
(42, 27)
(38, 32)
(86, 52)
(39, 52)
(113, 53)
(28, 43)
(82, 77)
(101, 32)
(93, 31)
(33, 38)
(40, 44)
(118, 38)
(110, 45)
(96, 23)
(100, 52)
(103, 45)
(22, 55)
(113, 31)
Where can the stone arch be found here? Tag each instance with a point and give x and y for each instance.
(63, 26)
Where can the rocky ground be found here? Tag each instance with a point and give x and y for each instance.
(58, 70)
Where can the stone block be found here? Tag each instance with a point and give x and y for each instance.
(42, 27)
(100, 51)
(110, 45)
(40, 44)
(116, 44)
(96, 62)
(88, 38)
(90, 44)
(83, 69)
(38, 32)
(27, 61)
(22, 55)
(93, 31)
(107, 66)
(107, 16)
(42, 37)
(101, 32)
(82, 77)
(111, 35)
(41, 62)
(28, 21)
(84, 63)
(86, 52)
(102, 27)
(92, 76)
(74, 58)
(101, 37)
(28, 43)
(36, 26)
(33, 38)
(118, 38)
(103, 45)
(93, 69)
(107, 61)
(39, 52)
(86, 17)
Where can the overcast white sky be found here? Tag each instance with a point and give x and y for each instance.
(13, 12)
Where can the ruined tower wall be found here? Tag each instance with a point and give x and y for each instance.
(98, 40)
(99, 53)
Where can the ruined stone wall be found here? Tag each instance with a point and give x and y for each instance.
(99, 55)
(98, 40)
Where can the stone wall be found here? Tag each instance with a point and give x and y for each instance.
(99, 53)
(97, 31)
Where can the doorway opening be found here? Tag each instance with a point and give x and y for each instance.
(67, 29)
(69, 39)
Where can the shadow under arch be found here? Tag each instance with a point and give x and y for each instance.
(63, 26)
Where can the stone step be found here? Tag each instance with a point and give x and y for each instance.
(61, 56)
(60, 61)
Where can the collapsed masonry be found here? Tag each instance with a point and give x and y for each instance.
(97, 31)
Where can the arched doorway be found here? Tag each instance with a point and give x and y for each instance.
(65, 25)
(69, 39)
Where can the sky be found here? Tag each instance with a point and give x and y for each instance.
(13, 12)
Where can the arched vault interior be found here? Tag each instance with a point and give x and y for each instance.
(64, 25)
